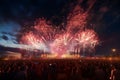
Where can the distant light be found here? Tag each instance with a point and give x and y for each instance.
(110, 58)
(113, 50)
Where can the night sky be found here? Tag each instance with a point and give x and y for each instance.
(16, 17)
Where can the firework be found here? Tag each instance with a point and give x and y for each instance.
(61, 44)
(76, 20)
(74, 38)
(34, 41)
(87, 39)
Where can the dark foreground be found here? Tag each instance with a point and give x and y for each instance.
(60, 70)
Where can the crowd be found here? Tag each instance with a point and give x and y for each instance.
(59, 70)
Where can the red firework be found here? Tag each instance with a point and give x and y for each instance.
(61, 44)
(76, 19)
(46, 37)
(87, 38)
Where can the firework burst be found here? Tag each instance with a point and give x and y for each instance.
(48, 38)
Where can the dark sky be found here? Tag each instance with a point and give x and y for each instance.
(17, 14)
